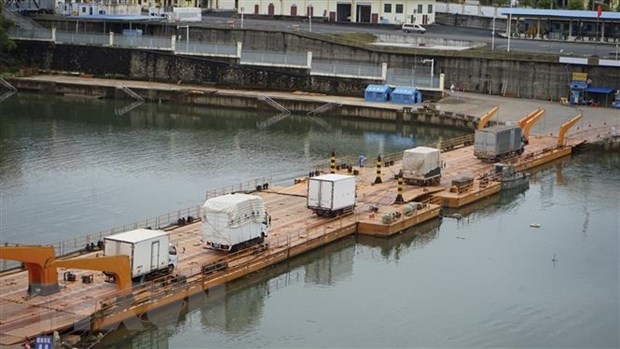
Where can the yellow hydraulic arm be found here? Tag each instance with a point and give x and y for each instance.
(116, 265)
(530, 122)
(42, 279)
(529, 116)
(565, 127)
(486, 117)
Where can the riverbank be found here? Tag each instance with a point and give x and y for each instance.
(459, 109)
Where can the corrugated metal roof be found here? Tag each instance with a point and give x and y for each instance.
(573, 14)
(118, 17)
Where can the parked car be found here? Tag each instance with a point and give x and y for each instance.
(413, 28)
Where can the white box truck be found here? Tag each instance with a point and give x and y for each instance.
(234, 221)
(150, 252)
(422, 166)
(331, 195)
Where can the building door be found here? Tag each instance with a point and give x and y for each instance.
(256, 9)
(374, 18)
(294, 10)
(343, 12)
(363, 14)
(270, 9)
(424, 19)
(332, 16)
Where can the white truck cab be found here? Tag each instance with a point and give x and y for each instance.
(413, 28)
(173, 260)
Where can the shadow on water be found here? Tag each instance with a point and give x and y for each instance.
(237, 305)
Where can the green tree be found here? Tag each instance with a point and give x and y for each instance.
(6, 44)
(575, 4)
(525, 3)
(543, 4)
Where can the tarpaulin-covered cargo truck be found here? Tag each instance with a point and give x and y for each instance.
(498, 142)
(422, 166)
(331, 195)
(234, 221)
(150, 252)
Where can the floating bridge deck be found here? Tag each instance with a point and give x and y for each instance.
(295, 230)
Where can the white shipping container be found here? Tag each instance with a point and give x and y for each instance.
(420, 161)
(232, 219)
(148, 250)
(331, 192)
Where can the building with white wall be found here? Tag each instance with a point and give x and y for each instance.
(358, 11)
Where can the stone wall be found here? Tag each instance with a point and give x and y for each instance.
(519, 75)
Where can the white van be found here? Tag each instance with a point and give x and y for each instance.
(413, 28)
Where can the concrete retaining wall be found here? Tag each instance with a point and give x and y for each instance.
(526, 76)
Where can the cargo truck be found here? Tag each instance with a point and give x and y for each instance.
(422, 166)
(331, 195)
(498, 142)
(150, 252)
(233, 222)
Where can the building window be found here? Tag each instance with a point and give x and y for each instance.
(387, 8)
(430, 8)
(399, 8)
(420, 8)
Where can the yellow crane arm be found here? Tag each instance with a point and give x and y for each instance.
(42, 279)
(529, 116)
(530, 122)
(115, 265)
(566, 126)
(486, 117)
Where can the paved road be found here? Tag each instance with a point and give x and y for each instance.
(513, 109)
(439, 31)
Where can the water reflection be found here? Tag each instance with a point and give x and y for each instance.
(395, 247)
(238, 305)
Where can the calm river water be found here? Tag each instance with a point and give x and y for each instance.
(72, 166)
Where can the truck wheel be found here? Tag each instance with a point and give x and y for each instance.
(170, 268)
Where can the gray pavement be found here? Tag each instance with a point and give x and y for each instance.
(513, 109)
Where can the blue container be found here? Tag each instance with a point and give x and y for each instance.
(406, 95)
(377, 93)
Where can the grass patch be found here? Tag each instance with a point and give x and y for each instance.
(366, 38)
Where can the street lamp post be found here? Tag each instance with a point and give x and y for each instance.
(432, 62)
(242, 17)
(186, 36)
(310, 18)
(493, 34)
(509, 26)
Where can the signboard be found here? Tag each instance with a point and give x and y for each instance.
(580, 76)
(44, 342)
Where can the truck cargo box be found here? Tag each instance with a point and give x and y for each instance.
(148, 250)
(421, 165)
(233, 219)
(331, 194)
(497, 141)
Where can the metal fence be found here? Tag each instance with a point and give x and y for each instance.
(82, 39)
(33, 34)
(262, 57)
(359, 70)
(415, 77)
(201, 48)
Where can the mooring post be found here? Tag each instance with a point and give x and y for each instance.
(399, 197)
(378, 179)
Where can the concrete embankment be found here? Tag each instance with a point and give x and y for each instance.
(524, 75)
